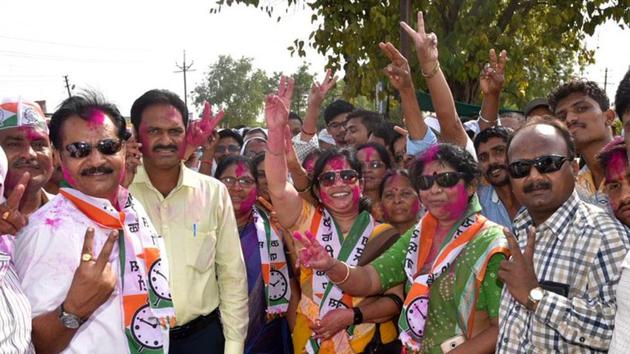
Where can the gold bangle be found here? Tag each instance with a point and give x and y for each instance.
(433, 71)
(345, 279)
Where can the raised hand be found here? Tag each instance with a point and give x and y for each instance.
(285, 91)
(518, 271)
(94, 280)
(199, 131)
(11, 219)
(313, 255)
(493, 74)
(398, 71)
(276, 113)
(425, 43)
(319, 90)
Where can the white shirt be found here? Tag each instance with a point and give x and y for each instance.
(47, 253)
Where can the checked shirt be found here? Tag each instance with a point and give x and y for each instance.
(580, 248)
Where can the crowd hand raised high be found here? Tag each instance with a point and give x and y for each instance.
(94, 280)
(11, 219)
(493, 74)
(319, 90)
(200, 130)
(425, 43)
(312, 254)
(398, 71)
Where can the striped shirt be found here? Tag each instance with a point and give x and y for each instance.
(15, 311)
(580, 248)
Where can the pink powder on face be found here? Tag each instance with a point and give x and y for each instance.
(123, 173)
(96, 118)
(248, 203)
(68, 177)
(617, 167)
(337, 163)
(369, 152)
(356, 195)
(31, 133)
(309, 165)
(415, 207)
(326, 199)
(241, 168)
(459, 205)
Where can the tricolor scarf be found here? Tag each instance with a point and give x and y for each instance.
(327, 295)
(416, 307)
(147, 305)
(274, 267)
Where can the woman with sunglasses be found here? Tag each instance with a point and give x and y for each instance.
(375, 161)
(329, 320)
(269, 281)
(448, 262)
(399, 201)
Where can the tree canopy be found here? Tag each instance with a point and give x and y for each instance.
(544, 39)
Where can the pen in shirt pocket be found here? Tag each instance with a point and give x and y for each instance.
(194, 230)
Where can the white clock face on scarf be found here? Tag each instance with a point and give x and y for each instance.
(278, 285)
(158, 281)
(417, 315)
(143, 328)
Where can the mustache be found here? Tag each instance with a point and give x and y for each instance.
(576, 123)
(536, 186)
(94, 170)
(165, 147)
(21, 163)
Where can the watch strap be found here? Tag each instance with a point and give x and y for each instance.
(358, 316)
(64, 313)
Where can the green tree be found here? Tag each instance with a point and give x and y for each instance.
(236, 87)
(303, 81)
(544, 39)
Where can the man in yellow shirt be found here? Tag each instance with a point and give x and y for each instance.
(194, 214)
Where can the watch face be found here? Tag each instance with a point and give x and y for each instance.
(279, 284)
(70, 321)
(143, 328)
(158, 281)
(536, 294)
(417, 315)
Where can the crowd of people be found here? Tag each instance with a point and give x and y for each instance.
(508, 233)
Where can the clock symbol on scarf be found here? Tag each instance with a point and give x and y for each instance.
(278, 285)
(158, 281)
(417, 315)
(145, 328)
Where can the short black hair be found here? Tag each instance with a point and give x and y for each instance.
(380, 149)
(391, 173)
(156, 97)
(229, 133)
(385, 130)
(293, 115)
(313, 154)
(588, 88)
(233, 160)
(492, 132)
(622, 97)
(614, 147)
(84, 105)
(336, 108)
(255, 162)
(371, 120)
(455, 156)
(560, 128)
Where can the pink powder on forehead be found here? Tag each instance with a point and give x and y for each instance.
(459, 205)
(369, 152)
(309, 165)
(32, 133)
(617, 166)
(337, 163)
(241, 169)
(68, 177)
(248, 203)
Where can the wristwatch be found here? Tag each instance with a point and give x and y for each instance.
(69, 320)
(534, 297)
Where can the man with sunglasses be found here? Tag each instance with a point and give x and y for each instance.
(584, 107)
(194, 215)
(560, 281)
(496, 198)
(89, 258)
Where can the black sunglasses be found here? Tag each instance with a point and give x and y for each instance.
(544, 164)
(327, 179)
(81, 149)
(444, 180)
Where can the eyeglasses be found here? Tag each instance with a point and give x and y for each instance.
(373, 165)
(544, 164)
(336, 125)
(243, 181)
(81, 149)
(327, 179)
(229, 148)
(444, 180)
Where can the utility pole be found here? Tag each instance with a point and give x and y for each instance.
(605, 79)
(67, 85)
(405, 15)
(183, 69)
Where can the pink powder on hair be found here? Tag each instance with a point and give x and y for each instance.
(617, 166)
(459, 205)
(96, 118)
(337, 163)
(248, 203)
(430, 154)
(68, 177)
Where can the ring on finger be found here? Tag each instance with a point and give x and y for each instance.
(87, 257)
(6, 214)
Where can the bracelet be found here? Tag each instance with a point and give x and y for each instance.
(307, 133)
(432, 72)
(486, 120)
(345, 279)
(395, 299)
(358, 316)
(308, 187)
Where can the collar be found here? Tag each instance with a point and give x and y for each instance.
(186, 177)
(557, 222)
